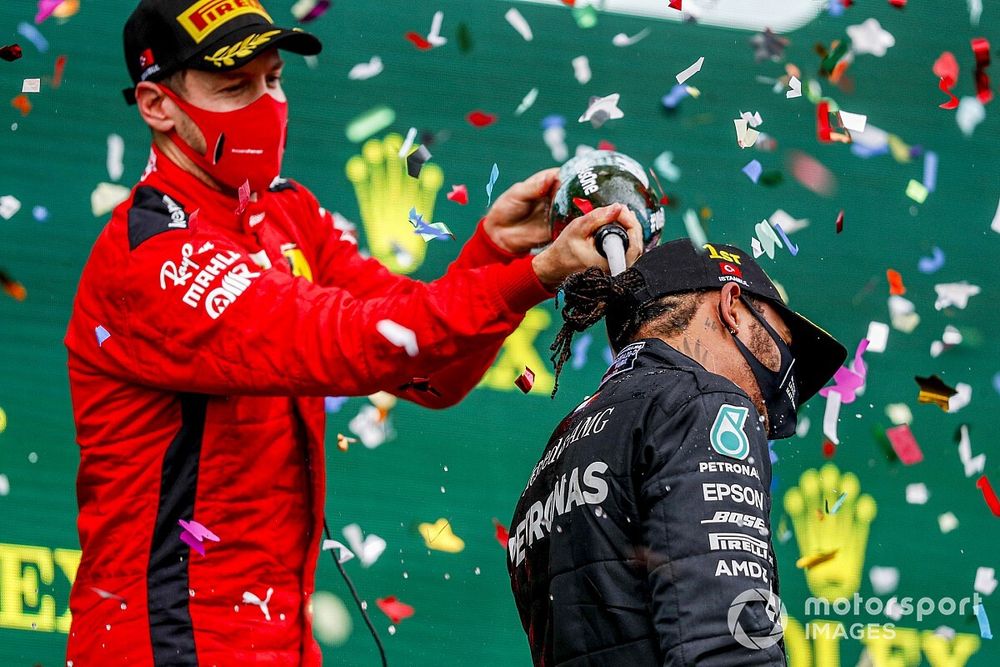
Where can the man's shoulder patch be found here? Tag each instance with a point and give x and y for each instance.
(625, 361)
(727, 434)
(152, 213)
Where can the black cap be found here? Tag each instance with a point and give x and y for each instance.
(678, 266)
(163, 37)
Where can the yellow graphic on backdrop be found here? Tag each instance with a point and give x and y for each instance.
(519, 351)
(24, 571)
(385, 195)
(818, 532)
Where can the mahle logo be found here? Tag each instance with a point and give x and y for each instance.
(386, 193)
(831, 546)
(727, 434)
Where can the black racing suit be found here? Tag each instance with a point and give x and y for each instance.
(646, 517)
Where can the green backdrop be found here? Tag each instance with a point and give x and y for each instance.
(469, 463)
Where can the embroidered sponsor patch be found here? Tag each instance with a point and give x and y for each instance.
(727, 435)
(152, 213)
(625, 361)
(205, 16)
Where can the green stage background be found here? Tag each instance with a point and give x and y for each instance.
(469, 463)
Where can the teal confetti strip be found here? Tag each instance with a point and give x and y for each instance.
(984, 622)
(494, 175)
(837, 505)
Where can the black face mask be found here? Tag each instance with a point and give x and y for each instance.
(778, 388)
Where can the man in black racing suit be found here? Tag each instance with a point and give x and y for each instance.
(643, 535)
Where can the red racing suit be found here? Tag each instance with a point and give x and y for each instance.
(201, 344)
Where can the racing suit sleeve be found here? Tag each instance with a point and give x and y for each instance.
(706, 532)
(233, 328)
(340, 264)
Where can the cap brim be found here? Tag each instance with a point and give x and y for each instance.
(235, 51)
(817, 354)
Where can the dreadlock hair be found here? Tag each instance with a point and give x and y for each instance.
(587, 297)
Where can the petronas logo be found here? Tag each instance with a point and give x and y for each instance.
(831, 545)
(386, 193)
(727, 434)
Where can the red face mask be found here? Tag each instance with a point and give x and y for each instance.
(242, 145)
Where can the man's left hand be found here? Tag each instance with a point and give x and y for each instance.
(518, 220)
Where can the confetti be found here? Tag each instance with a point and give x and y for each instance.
(946, 69)
(665, 167)
(983, 484)
(500, 533)
(11, 52)
(33, 35)
(765, 241)
(368, 549)
(106, 595)
(954, 294)
(411, 135)
(768, 46)
(896, 286)
(434, 37)
(527, 102)
(899, 413)
(969, 115)
(947, 522)
(745, 135)
(831, 415)
(365, 71)
(962, 397)
(519, 23)
(22, 104)
(869, 37)
(9, 206)
(934, 390)
(824, 131)
(250, 598)
(986, 581)
(975, 11)
(415, 161)
(344, 442)
(984, 622)
(194, 535)
(429, 231)
(694, 229)
(244, 198)
(45, 9)
(674, 4)
(811, 174)
(369, 123)
(691, 70)
(13, 288)
(933, 263)
(930, 171)
(877, 336)
(579, 351)
(917, 493)
(884, 579)
(306, 11)
(342, 553)
(399, 336)
(116, 155)
(981, 50)
(526, 380)
(916, 191)
(674, 97)
(949, 339)
(623, 40)
(102, 335)
(904, 444)
(794, 88)
(753, 170)
(459, 194)
(480, 118)
(394, 609)
(837, 505)
(418, 41)
(31, 86)
(581, 69)
(602, 109)
(494, 175)
(849, 382)
(440, 537)
(464, 37)
(792, 248)
(902, 314)
(973, 465)
(855, 122)
(898, 4)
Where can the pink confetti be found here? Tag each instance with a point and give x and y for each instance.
(849, 380)
(904, 444)
(244, 197)
(45, 9)
(195, 534)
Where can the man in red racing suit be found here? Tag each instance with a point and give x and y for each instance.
(208, 326)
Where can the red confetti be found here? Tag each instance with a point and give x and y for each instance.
(526, 380)
(946, 69)
(898, 4)
(501, 533)
(569, 3)
(847, 3)
(481, 118)
(675, 4)
(584, 205)
(394, 609)
(981, 48)
(12, 287)
(989, 496)
(904, 444)
(896, 287)
(419, 41)
(840, 221)
(604, 145)
(22, 104)
(829, 449)
(11, 52)
(57, 74)
(459, 194)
